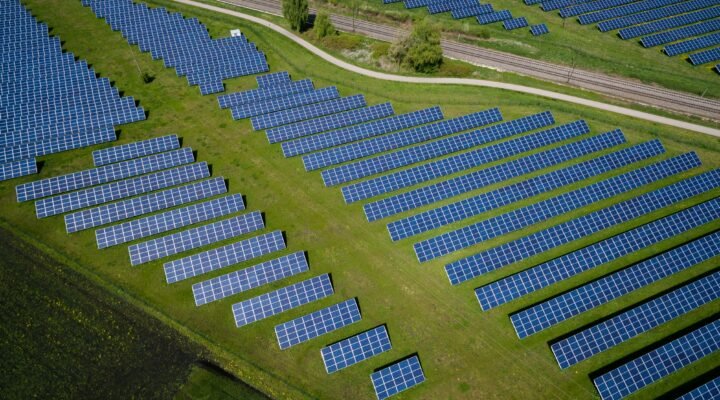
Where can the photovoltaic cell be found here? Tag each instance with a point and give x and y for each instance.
(15, 169)
(249, 278)
(706, 56)
(125, 209)
(317, 323)
(286, 298)
(306, 112)
(355, 349)
(708, 391)
(515, 23)
(220, 257)
(654, 15)
(273, 79)
(283, 103)
(692, 44)
(681, 33)
(557, 235)
(539, 29)
(658, 363)
(264, 93)
(56, 144)
(397, 377)
(460, 13)
(665, 24)
(135, 150)
(495, 16)
(204, 235)
(167, 221)
(636, 321)
(546, 274)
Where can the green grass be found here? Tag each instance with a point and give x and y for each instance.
(465, 353)
(207, 383)
(567, 43)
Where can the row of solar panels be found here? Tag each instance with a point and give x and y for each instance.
(183, 44)
(362, 143)
(50, 102)
(483, 13)
(692, 25)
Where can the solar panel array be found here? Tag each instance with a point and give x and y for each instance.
(135, 150)
(497, 257)
(705, 57)
(595, 255)
(249, 278)
(615, 12)
(273, 79)
(265, 93)
(460, 13)
(692, 44)
(658, 363)
(681, 33)
(515, 23)
(653, 15)
(539, 29)
(669, 23)
(635, 321)
(707, 391)
(16, 169)
(283, 103)
(317, 323)
(308, 111)
(604, 290)
(495, 16)
(397, 377)
(355, 349)
(286, 298)
(189, 48)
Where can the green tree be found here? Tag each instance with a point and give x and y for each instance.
(296, 12)
(323, 26)
(421, 50)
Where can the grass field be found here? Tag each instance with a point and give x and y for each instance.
(568, 43)
(465, 353)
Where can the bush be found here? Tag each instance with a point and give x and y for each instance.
(147, 78)
(380, 49)
(323, 26)
(343, 42)
(421, 50)
(296, 12)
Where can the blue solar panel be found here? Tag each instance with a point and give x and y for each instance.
(200, 236)
(557, 235)
(135, 150)
(125, 209)
(621, 11)
(591, 6)
(398, 139)
(286, 298)
(669, 23)
(485, 202)
(434, 149)
(265, 93)
(460, 162)
(636, 321)
(708, 391)
(335, 121)
(108, 173)
(15, 169)
(539, 29)
(354, 349)
(249, 278)
(656, 364)
(495, 16)
(397, 377)
(362, 131)
(604, 290)
(276, 78)
(282, 103)
(308, 112)
(520, 218)
(221, 257)
(653, 15)
(317, 323)
(705, 56)
(445, 6)
(461, 13)
(681, 33)
(117, 190)
(544, 275)
(515, 23)
(692, 44)
(167, 221)
(56, 145)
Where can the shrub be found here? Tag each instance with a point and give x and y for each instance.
(323, 26)
(421, 50)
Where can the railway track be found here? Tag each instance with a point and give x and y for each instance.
(612, 86)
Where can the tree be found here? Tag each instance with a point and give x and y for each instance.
(296, 12)
(421, 50)
(323, 26)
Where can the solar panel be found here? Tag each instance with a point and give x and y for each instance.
(167, 221)
(113, 212)
(476, 205)
(362, 131)
(399, 139)
(515, 23)
(708, 391)
(108, 173)
(692, 44)
(636, 321)
(557, 235)
(355, 349)
(656, 364)
(654, 15)
(460, 13)
(282, 103)
(397, 377)
(264, 93)
(224, 256)
(273, 79)
(334, 121)
(495, 16)
(624, 10)
(286, 298)
(606, 289)
(705, 56)
(591, 6)
(543, 275)
(200, 236)
(308, 112)
(15, 169)
(681, 33)
(434, 149)
(665, 24)
(457, 163)
(249, 278)
(539, 29)
(446, 6)
(318, 323)
(56, 145)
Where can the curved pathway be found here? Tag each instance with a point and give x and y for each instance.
(458, 81)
